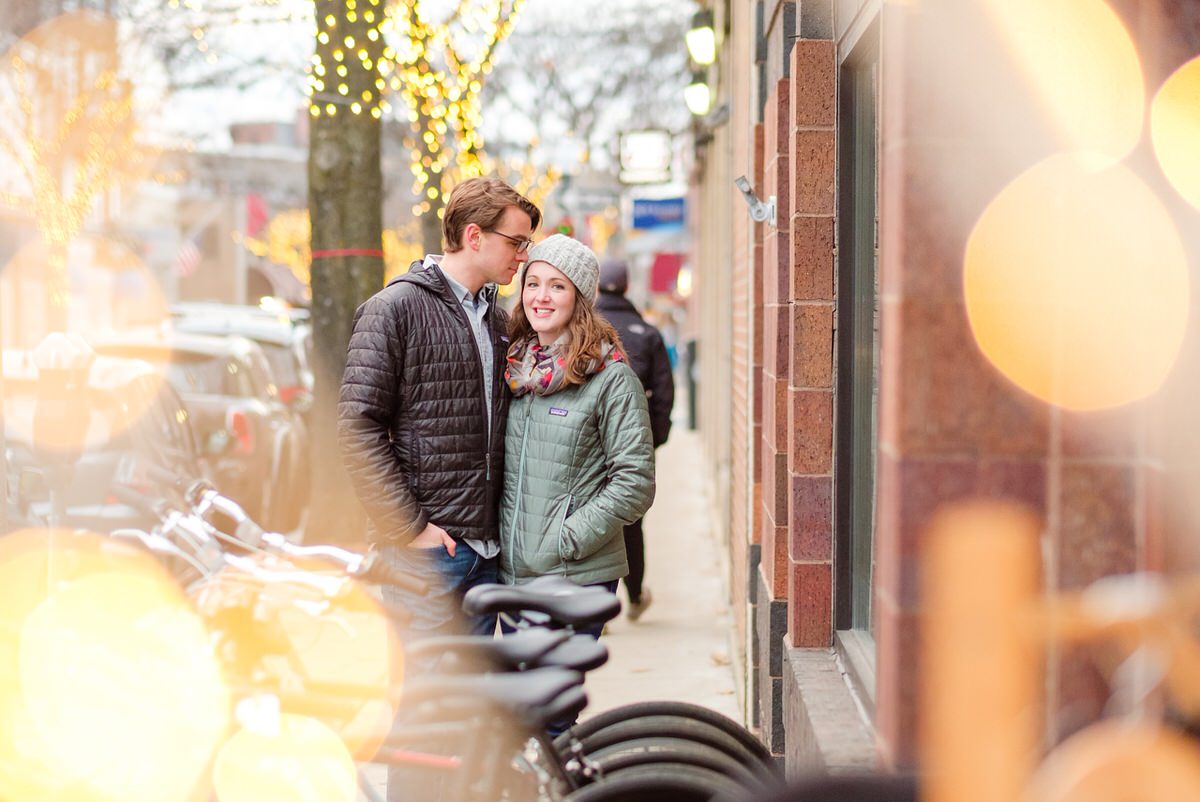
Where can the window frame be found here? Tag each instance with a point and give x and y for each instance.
(857, 414)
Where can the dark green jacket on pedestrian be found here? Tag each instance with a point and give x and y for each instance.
(578, 466)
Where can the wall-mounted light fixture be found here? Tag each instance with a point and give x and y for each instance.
(697, 95)
(760, 211)
(702, 39)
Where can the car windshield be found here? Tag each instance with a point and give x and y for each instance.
(208, 375)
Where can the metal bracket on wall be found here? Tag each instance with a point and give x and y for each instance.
(760, 211)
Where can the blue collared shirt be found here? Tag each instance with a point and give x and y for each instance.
(476, 306)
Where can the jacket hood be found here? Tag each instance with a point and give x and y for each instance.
(432, 280)
(612, 302)
(418, 275)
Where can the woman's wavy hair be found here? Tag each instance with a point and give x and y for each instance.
(588, 334)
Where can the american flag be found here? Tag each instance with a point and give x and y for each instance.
(187, 258)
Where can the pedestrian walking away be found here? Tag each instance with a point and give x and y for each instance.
(647, 352)
(422, 410)
(579, 462)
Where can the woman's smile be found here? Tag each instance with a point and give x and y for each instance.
(548, 298)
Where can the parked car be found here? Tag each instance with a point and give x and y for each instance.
(132, 431)
(255, 444)
(286, 342)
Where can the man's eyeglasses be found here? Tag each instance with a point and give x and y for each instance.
(522, 243)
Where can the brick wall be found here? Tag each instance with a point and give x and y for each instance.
(956, 128)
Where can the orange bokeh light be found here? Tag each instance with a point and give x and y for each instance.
(1175, 130)
(1083, 64)
(1076, 285)
(301, 760)
(110, 289)
(108, 687)
(341, 654)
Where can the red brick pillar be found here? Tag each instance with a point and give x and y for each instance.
(811, 141)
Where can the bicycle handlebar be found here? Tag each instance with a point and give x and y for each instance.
(227, 516)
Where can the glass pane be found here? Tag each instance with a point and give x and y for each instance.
(858, 346)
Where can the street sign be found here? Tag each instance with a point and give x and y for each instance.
(658, 212)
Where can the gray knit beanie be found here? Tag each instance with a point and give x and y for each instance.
(573, 258)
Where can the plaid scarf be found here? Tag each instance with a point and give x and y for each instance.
(541, 369)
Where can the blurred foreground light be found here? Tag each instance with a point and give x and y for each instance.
(1081, 60)
(1076, 285)
(301, 760)
(345, 643)
(697, 95)
(65, 351)
(1175, 130)
(108, 687)
(109, 288)
(1119, 759)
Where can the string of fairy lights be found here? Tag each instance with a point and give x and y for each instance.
(424, 63)
(68, 166)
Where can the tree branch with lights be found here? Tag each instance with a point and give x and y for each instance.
(70, 149)
(438, 68)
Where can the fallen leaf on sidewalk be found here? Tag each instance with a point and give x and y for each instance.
(720, 658)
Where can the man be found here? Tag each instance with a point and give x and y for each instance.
(648, 358)
(422, 409)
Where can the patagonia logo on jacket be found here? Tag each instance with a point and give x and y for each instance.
(559, 411)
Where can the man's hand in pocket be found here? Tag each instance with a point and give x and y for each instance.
(431, 537)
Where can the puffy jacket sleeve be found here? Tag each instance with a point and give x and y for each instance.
(624, 422)
(370, 394)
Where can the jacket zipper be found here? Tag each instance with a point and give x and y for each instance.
(512, 529)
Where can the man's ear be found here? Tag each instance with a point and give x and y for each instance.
(472, 236)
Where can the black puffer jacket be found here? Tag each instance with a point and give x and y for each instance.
(411, 416)
(648, 358)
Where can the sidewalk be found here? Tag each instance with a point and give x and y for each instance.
(680, 648)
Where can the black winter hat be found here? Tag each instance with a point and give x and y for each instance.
(614, 275)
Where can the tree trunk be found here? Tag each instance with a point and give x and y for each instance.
(345, 195)
(431, 231)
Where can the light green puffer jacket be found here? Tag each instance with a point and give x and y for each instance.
(578, 466)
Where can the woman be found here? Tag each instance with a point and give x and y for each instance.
(579, 463)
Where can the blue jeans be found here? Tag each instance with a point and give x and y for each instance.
(439, 612)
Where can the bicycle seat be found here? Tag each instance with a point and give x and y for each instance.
(580, 653)
(514, 652)
(524, 695)
(566, 603)
(566, 707)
